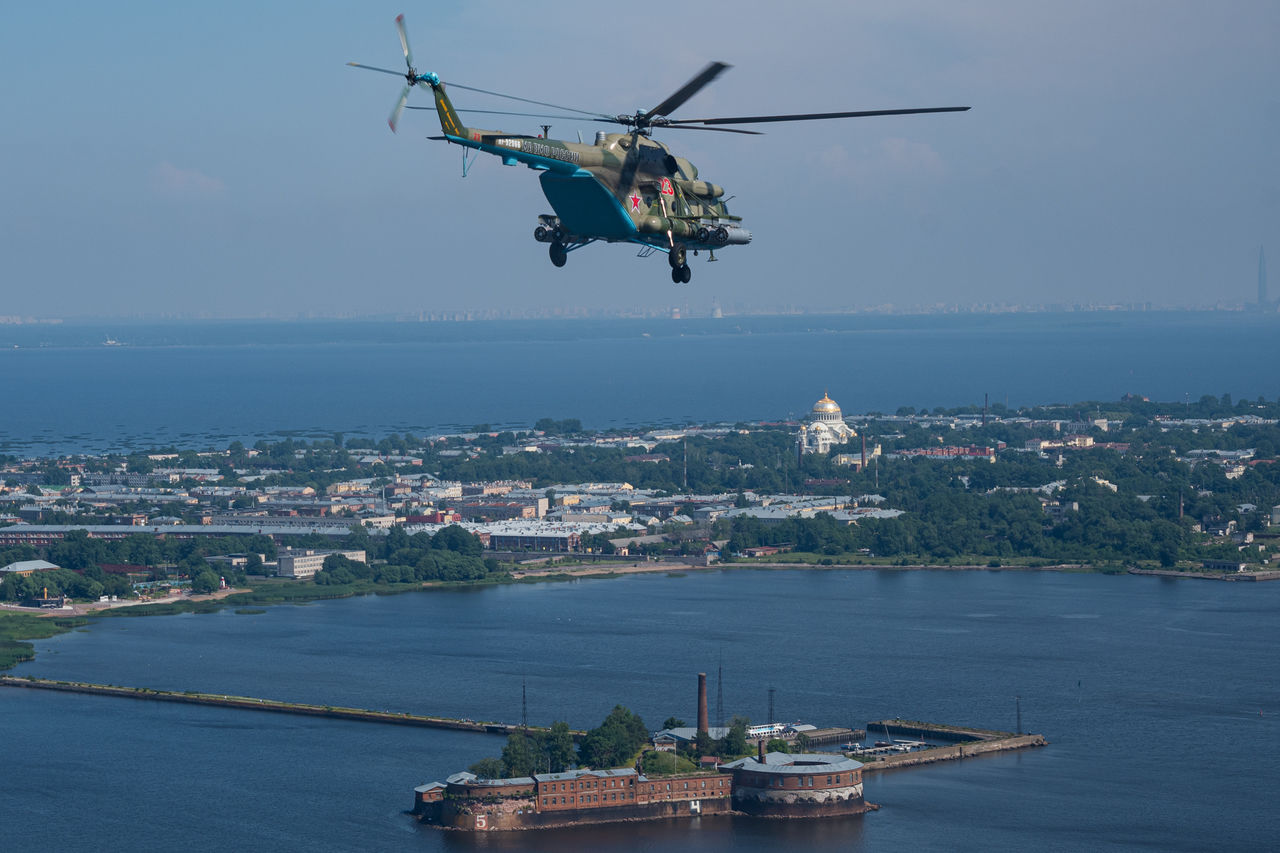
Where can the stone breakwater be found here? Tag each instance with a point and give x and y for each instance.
(248, 703)
(952, 753)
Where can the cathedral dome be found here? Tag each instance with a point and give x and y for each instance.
(826, 409)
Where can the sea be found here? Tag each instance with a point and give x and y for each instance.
(1160, 699)
(107, 387)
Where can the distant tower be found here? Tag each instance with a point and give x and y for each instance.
(1262, 278)
(702, 702)
(772, 692)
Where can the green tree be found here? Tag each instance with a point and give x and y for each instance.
(520, 756)
(734, 743)
(777, 745)
(204, 581)
(488, 768)
(615, 741)
(558, 746)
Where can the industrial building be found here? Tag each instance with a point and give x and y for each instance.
(300, 564)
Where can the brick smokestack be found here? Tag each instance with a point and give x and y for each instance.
(702, 702)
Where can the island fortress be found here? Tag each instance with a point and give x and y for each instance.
(771, 784)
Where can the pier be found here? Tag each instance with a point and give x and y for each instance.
(274, 706)
(825, 737)
(933, 731)
(967, 742)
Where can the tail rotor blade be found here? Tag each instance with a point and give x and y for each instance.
(404, 40)
(395, 114)
(399, 74)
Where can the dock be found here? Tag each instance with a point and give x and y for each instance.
(827, 736)
(276, 706)
(933, 731)
(967, 742)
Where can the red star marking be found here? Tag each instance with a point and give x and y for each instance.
(635, 202)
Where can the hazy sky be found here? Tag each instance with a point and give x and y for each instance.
(220, 158)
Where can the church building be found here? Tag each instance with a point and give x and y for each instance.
(825, 428)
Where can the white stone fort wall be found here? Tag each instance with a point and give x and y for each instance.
(783, 796)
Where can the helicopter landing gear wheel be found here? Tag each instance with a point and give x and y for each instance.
(558, 254)
(676, 277)
(540, 234)
(676, 257)
(685, 274)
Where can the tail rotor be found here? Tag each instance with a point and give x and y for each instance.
(410, 74)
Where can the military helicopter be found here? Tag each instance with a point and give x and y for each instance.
(626, 187)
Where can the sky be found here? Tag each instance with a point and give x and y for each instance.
(221, 160)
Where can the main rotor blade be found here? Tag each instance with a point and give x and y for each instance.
(602, 116)
(404, 41)
(720, 129)
(505, 113)
(688, 90)
(395, 114)
(810, 116)
(399, 74)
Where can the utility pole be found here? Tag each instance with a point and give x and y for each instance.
(1018, 700)
(686, 465)
(720, 691)
(772, 691)
(524, 706)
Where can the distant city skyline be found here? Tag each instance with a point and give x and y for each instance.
(1115, 153)
(675, 312)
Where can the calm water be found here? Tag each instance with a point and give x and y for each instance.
(207, 384)
(1161, 700)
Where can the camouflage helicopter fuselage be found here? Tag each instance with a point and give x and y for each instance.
(626, 187)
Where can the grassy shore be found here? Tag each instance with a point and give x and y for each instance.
(16, 628)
